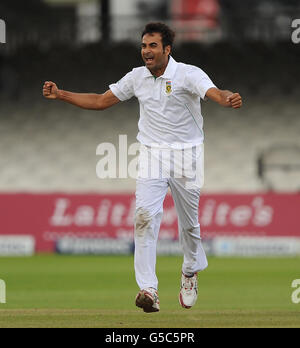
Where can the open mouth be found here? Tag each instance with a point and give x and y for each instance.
(149, 60)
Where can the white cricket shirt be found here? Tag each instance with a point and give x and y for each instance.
(170, 109)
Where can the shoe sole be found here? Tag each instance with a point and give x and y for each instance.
(145, 301)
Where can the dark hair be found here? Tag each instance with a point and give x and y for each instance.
(167, 34)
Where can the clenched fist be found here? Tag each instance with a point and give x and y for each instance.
(50, 90)
(235, 100)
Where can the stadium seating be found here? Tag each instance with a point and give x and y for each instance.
(50, 146)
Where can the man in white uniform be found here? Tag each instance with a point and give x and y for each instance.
(169, 95)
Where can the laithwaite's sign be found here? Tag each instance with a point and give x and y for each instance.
(48, 217)
(2, 31)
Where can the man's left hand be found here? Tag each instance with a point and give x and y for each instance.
(235, 100)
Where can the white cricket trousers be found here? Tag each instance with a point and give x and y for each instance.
(150, 195)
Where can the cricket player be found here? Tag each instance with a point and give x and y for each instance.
(169, 94)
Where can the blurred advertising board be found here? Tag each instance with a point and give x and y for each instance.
(103, 223)
(13, 245)
(195, 20)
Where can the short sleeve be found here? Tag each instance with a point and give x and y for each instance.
(198, 82)
(123, 89)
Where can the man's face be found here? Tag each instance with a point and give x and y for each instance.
(153, 53)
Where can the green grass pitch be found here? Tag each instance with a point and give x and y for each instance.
(99, 291)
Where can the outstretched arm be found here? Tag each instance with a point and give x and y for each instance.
(88, 101)
(225, 98)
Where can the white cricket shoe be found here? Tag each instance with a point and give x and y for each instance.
(188, 291)
(148, 300)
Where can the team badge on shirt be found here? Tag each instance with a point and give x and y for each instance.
(168, 87)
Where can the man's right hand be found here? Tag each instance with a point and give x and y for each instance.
(89, 101)
(50, 90)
